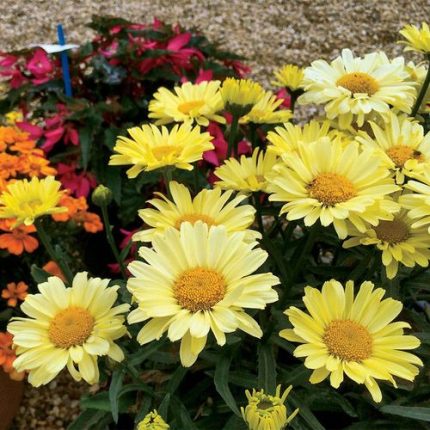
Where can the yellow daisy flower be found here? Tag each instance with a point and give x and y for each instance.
(418, 202)
(248, 174)
(417, 39)
(401, 144)
(265, 111)
(153, 421)
(68, 326)
(266, 412)
(331, 182)
(351, 88)
(196, 280)
(212, 207)
(240, 95)
(398, 241)
(189, 102)
(288, 137)
(289, 76)
(152, 147)
(27, 200)
(356, 336)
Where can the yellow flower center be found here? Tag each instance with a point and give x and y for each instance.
(331, 188)
(164, 151)
(256, 180)
(358, 82)
(394, 231)
(402, 153)
(71, 327)
(193, 218)
(199, 289)
(187, 107)
(348, 340)
(30, 204)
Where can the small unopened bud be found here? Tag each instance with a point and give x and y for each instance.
(102, 196)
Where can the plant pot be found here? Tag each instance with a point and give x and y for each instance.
(10, 398)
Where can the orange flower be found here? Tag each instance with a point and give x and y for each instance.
(24, 146)
(73, 205)
(7, 356)
(34, 164)
(54, 269)
(9, 165)
(91, 222)
(14, 292)
(18, 239)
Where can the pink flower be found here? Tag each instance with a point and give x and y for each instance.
(79, 183)
(40, 66)
(34, 131)
(283, 95)
(204, 75)
(110, 49)
(239, 68)
(219, 153)
(9, 67)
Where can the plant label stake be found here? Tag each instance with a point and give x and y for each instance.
(64, 62)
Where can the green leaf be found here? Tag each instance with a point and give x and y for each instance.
(38, 274)
(177, 377)
(144, 352)
(114, 389)
(266, 368)
(221, 383)
(305, 412)
(164, 406)
(182, 412)
(415, 413)
(235, 423)
(88, 419)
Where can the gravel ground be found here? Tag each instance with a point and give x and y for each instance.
(268, 33)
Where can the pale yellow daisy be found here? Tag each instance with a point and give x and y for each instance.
(401, 144)
(27, 200)
(68, 326)
(266, 111)
(351, 87)
(398, 241)
(153, 421)
(290, 76)
(212, 207)
(153, 147)
(248, 174)
(196, 280)
(417, 39)
(190, 102)
(341, 335)
(328, 181)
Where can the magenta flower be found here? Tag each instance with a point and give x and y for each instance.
(40, 66)
(79, 183)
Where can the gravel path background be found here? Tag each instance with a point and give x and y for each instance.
(268, 33)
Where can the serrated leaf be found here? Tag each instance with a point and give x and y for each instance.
(39, 275)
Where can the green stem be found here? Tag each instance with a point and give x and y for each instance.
(111, 240)
(168, 177)
(258, 215)
(422, 92)
(45, 239)
(232, 136)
